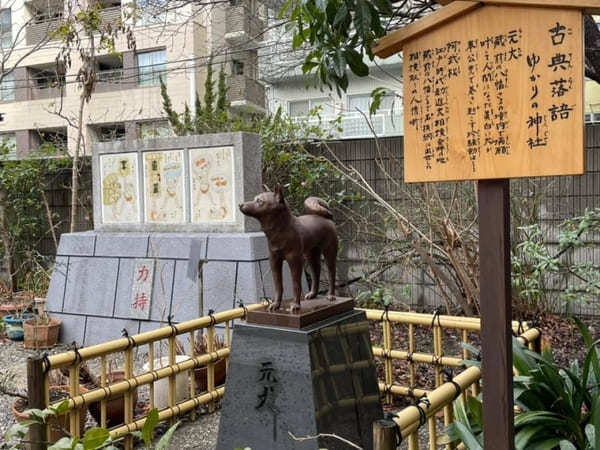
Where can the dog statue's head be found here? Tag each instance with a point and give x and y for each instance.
(265, 204)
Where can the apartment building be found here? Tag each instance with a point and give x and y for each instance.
(281, 70)
(40, 101)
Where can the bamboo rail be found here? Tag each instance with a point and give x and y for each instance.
(128, 345)
(73, 359)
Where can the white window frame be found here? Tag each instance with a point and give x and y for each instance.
(150, 74)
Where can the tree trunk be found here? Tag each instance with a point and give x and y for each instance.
(6, 242)
(75, 172)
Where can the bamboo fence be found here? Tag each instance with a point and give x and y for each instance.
(408, 420)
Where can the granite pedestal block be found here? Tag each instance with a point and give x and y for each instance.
(320, 379)
(91, 289)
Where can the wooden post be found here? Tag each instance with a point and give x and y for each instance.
(384, 435)
(37, 399)
(496, 313)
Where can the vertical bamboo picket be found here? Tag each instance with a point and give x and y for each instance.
(128, 396)
(227, 343)
(387, 348)
(411, 350)
(466, 355)
(432, 433)
(103, 384)
(172, 379)
(210, 368)
(413, 439)
(73, 391)
(151, 366)
(46, 382)
(192, 372)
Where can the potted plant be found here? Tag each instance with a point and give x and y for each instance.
(59, 425)
(115, 406)
(13, 304)
(220, 365)
(41, 331)
(17, 306)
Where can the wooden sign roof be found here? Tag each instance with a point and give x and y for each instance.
(493, 91)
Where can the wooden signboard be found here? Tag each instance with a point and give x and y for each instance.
(495, 93)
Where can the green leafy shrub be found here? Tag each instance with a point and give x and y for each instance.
(560, 407)
(93, 439)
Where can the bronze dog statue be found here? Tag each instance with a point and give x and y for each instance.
(296, 240)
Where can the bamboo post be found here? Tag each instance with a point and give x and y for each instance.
(227, 342)
(413, 441)
(387, 347)
(210, 368)
(411, 350)
(172, 379)
(466, 355)
(73, 391)
(384, 435)
(103, 384)
(36, 393)
(432, 433)
(128, 396)
(151, 367)
(193, 371)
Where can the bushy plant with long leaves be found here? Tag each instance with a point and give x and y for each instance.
(559, 407)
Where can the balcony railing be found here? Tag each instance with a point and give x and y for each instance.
(244, 90)
(111, 15)
(242, 26)
(37, 31)
(355, 125)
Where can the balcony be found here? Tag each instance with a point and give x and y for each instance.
(246, 92)
(354, 125)
(241, 26)
(37, 31)
(111, 15)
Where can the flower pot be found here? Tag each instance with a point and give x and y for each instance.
(9, 309)
(41, 335)
(14, 326)
(115, 406)
(161, 387)
(201, 374)
(59, 426)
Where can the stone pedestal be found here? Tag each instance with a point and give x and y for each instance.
(319, 379)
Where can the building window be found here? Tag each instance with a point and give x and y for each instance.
(588, 118)
(151, 67)
(111, 133)
(300, 108)
(7, 87)
(237, 67)
(596, 117)
(155, 129)
(110, 68)
(8, 142)
(6, 28)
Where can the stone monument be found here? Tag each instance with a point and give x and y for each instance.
(300, 368)
(168, 239)
(302, 376)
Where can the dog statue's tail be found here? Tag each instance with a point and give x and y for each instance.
(314, 205)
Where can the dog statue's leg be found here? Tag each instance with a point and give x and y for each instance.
(315, 271)
(276, 268)
(296, 269)
(330, 258)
